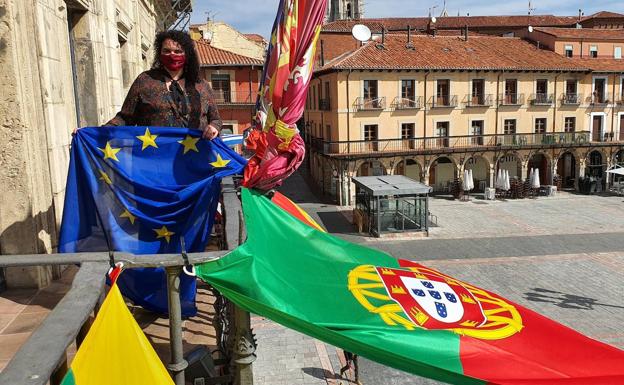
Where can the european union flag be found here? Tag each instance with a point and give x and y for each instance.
(139, 190)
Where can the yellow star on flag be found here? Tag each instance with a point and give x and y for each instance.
(109, 152)
(163, 232)
(131, 218)
(189, 144)
(148, 139)
(105, 178)
(220, 162)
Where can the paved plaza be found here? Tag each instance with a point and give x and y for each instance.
(561, 256)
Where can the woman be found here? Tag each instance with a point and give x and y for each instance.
(171, 94)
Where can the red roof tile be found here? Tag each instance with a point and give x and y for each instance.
(604, 15)
(454, 22)
(211, 56)
(446, 52)
(601, 65)
(584, 33)
(255, 38)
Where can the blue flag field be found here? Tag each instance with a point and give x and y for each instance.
(139, 190)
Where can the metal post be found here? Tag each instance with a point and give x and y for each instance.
(244, 348)
(178, 363)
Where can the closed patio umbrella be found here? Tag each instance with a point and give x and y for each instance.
(499, 178)
(531, 177)
(471, 179)
(536, 179)
(507, 184)
(465, 182)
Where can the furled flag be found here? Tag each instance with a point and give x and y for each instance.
(115, 351)
(140, 190)
(397, 312)
(283, 88)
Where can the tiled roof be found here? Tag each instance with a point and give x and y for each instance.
(584, 33)
(604, 15)
(255, 38)
(601, 65)
(453, 22)
(447, 52)
(211, 56)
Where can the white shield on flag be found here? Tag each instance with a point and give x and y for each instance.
(436, 298)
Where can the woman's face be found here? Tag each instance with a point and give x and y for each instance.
(171, 47)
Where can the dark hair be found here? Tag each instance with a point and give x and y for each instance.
(191, 68)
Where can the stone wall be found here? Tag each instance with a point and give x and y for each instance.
(64, 64)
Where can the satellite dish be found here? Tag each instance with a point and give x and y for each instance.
(361, 32)
(433, 19)
(530, 28)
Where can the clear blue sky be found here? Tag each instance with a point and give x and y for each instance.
(256, 16)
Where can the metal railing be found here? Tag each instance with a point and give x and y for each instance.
(406, 104)
(443, 101)
(479, 100)
(542, 99)
(43, 358)
(235, 97)
(511, 99)
(599, 99)
(445, 143)
(370, 104)
(571, 99)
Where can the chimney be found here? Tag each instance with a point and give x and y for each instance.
(580, 14)
(409, 44)
(466, 33)
(383, 35)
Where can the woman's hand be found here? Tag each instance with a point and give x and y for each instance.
(210, 133)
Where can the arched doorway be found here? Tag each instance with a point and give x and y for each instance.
(566, 169)
(510, 163)
(410, 168)
(596, 166)
(441, 174)
(371, 168)
(540, 162)
(619, 157)
(480, 172)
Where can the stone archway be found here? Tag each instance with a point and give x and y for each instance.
(541, 162)
(510, 162)
(567, 169)
(596, 164)
(441, 174)
(409, 168)
(480, 171)
(618, 158)
(371, 168)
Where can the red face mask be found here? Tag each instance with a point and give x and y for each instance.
(172, 61)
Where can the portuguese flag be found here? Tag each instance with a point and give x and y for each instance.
(116, 351)
(397, 312)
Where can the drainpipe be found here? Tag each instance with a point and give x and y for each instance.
(497, 102)
(555, 100)
(425, 111)
(348, 134)
(613, 102)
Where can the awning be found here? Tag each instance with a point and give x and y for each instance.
(618, 170)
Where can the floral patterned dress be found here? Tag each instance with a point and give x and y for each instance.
(150, 103)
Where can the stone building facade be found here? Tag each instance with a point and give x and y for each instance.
(65, 64)
(431, 106)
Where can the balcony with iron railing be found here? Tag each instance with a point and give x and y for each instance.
(479, 100)
(446, 143)
(619, 101)
(542, 99)
(511, 99)
(369, 104)
(325, 105)
(570, 99)
(599, 98)
(407, 104)
(225, 97)
(443, 101)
